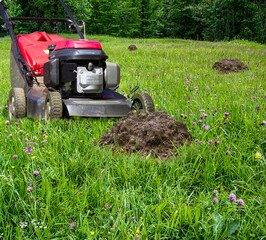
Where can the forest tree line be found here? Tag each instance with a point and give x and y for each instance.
(212, 20)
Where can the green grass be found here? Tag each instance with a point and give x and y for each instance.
(154, 198)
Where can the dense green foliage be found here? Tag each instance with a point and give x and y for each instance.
(153, 198)
(191, 19)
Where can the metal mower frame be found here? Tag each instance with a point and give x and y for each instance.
(47, 92)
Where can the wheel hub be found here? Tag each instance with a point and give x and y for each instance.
(11, 108)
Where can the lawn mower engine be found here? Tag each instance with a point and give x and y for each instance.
(53, 77)
(79, 67)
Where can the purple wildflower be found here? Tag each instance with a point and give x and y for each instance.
(26, 139)
(226, 114)
(10, 135)
(71, 220)
(138, 236)
(191, 115)
(240, 202)
(210, 142)
(228, 152)
(217, 142)
(215, 200)
(27, 149)
(106, 205)
(29, 189)
(72, 226)
(31, 198)
(205, 115)
(16, 123)
(216, 193)
(45, 141)
(232, 197)
(258, 108)
(36, 173)
(182, 115)
(7, 123)
(133, 218)
(188, 98)
(145, 89)
(215, 110)
(207, 127)
(6, 107)
(15, 156)
(185, 116)
(193, 124)
(199, 121)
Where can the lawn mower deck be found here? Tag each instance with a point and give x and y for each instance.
(53, 77)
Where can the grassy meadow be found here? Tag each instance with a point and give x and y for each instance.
(56, 182)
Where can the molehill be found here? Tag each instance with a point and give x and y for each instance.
(226, 65)
(155, 133)
(132, 47)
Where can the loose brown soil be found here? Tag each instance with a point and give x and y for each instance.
(155, 133)
(132, 47)
(226, 65)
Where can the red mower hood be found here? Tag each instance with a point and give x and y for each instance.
(77, 43)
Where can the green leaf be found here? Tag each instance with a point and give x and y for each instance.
(232, 227)
(218, 222)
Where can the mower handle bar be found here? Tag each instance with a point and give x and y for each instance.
(8, 21)
(40, 19)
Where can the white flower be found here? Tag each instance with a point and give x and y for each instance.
(258, 155)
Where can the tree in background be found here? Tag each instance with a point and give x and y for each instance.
(212, 20)
(228, 19)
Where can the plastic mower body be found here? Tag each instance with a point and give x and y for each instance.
(53, 77)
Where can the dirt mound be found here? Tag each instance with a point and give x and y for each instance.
(132, 47)
(154, 133)
(229, 65)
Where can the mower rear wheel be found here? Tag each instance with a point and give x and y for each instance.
(142, 102)
(53, 107)
(17, 103)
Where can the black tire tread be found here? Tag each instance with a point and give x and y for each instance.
(20, 102)
(149, 105)
(55, 100)
(146, 100)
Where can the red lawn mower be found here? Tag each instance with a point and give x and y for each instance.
(53, 77)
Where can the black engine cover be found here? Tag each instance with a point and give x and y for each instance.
(72, 54)
(51, 73)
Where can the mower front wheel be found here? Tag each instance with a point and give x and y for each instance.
(142, 102)
(17, 103)
(53, 107)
